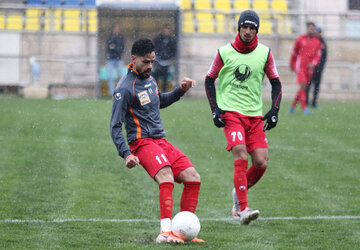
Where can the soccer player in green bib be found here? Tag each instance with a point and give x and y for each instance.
(236, 106)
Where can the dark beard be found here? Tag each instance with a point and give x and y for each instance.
(142, 76)
(246, 43)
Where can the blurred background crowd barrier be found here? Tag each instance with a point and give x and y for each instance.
(66, 40)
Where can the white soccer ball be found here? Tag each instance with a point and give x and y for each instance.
(185, 225)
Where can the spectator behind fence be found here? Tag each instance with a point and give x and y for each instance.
(115, 45)
(35, 71)
(316, 79)
(165, 49)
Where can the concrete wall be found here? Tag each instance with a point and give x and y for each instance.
(63, 59)
(10, 45)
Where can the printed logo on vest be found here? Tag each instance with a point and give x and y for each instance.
(242, 73)
(144, 97)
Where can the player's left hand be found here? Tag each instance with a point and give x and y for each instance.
(271, 118)
(187, 84)
(131, 161)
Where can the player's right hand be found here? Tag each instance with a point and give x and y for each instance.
(271, 118)
(216, 114)
(131, 161)
(187, 84)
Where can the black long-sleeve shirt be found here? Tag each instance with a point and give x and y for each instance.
(115, 45)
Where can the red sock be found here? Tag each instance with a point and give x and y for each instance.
(302, 98)
(296, 99)
(253, 175)
(189, 197)
(165, 199)
(240, 182)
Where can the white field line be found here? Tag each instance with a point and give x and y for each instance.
(201, 219)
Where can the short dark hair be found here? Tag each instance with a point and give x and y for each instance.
(142, 47)
(310, 24)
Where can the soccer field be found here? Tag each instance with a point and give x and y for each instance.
(63, 186)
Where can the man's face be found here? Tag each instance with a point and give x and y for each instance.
(143, 64)
(310, 30)
(117, 30)
(166, 32)
(247, 33)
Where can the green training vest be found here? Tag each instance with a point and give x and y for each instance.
(240, 80)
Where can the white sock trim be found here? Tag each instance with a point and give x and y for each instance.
(165, 225)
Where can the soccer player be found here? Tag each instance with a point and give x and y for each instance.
(137, 103)
(305, 56)
(236, 106)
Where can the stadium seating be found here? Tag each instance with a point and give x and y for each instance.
(241, 5)
(281, 17)
(89, 3)
(265, 27)
(279, 5)
(204, 17)
(33, 19)
(91, 21)
(188, 23)
(262, 7)
(53, 3)
(221, 22)
(53, 16)
(2, 21)
(34, 2)
(14, 21)
(186, 4)
(72, 3)
(53, 20)
(205, 22)
(72, 20)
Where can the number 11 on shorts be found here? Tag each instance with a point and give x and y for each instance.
(159, 160)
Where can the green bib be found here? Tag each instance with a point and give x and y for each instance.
(240, 80)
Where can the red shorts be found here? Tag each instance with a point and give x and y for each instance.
(240, 129)
(154, 154)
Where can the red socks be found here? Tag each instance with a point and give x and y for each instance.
(253, 175)
(165, 199)
(189, 197)
(300, 97)
(303, 99)
(240, 182)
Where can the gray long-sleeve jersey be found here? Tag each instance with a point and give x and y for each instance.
(137, 103)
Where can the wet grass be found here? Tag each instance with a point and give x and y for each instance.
(57, 161)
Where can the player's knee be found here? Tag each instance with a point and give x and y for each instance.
(189, 174)
(164, 175)
(239, 152)
(195, 176)
(261, 163)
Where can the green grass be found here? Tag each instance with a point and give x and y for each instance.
(58, 162)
